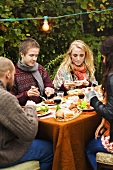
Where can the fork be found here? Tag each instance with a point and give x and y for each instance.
(43, 98)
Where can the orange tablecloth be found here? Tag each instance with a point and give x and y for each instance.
(69, 140)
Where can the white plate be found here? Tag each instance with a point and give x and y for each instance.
(68, 118)
(70, 83)
(79, 82)
(46, 113)
(90, 109)
(73, 92)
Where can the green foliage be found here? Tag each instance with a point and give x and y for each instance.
(54, 64)
(90, 27)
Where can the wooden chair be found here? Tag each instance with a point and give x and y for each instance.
(30, 165)
(104, 160)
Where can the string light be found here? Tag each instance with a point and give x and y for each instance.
(63, 16)
(45, 26)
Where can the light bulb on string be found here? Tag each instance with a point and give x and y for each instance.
(45, 26)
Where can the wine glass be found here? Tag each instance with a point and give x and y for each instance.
(81, 96)
(57, 100)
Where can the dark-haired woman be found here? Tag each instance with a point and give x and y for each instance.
(103, 141)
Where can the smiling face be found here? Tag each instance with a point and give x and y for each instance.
(78, 56)
(30, 57)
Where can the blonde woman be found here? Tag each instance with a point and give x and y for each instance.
(77, 65)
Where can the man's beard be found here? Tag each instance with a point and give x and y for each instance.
(9, 86)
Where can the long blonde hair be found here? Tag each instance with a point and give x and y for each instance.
(89, 61)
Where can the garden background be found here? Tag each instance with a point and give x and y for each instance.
(78, 21)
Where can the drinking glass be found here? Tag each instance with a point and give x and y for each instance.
(81, 94)
(60, 94)
(57, 100)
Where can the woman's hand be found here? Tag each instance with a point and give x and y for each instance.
(100, 129)
(85, 83)
(88, 89)
(97, 132)
(68, 85)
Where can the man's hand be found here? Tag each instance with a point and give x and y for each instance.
(49, 91)
(31, 103)
(33, 91)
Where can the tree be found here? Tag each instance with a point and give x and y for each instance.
(88, 26)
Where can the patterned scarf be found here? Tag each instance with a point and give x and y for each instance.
(80, 72)
(34, 71)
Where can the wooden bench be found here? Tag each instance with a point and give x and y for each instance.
(104, 160)
(30, 165)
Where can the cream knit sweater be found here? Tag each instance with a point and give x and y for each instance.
(17, 127)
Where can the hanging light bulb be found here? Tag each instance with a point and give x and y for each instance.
(45, 26)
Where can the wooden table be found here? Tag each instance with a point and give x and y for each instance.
(69, 140)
